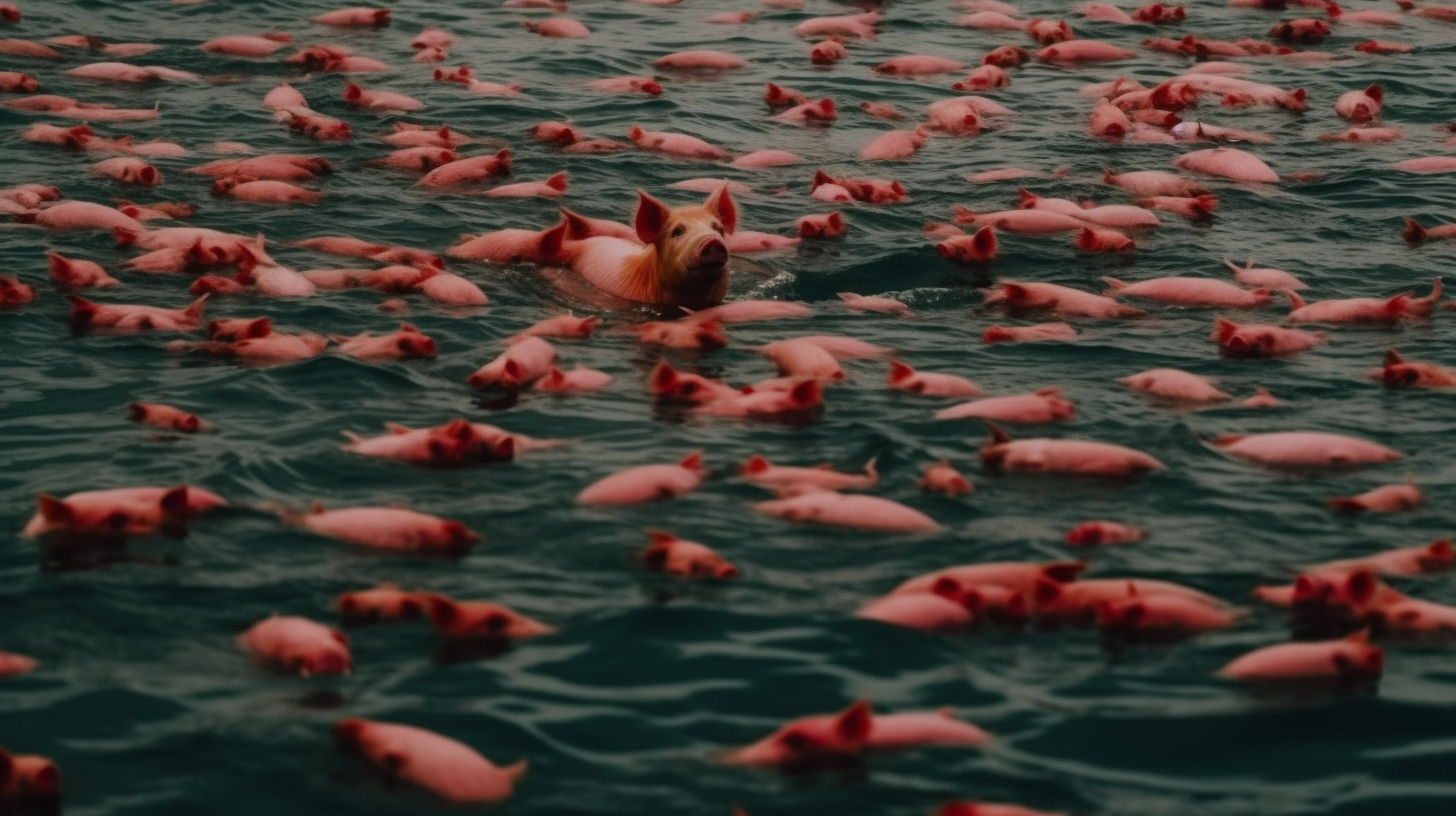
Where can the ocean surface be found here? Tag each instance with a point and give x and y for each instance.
(150, 707)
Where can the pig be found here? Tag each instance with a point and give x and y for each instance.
(679, 145)
(469, 170)
(82, 215)
(1415, 617)
(941, 477)
(704, 335)
(1261, 399)
(438, 765)
(857, 26)
(925, 611)
(810, 112)
(1016, 576)
(294, 644)
(553, 187)
(802, 400)
(450, 289)
(669, 554)
(1351, 659)
(1383, 47)
(1190, 292)
(1163, 616)
(468, 620)
(667, 384)
(827, 52)
(646, 483)
(1077, 602)
(406, 344)
(86, 315)
(1305, 449)
(128, 170)
(1437, 556)
(314, 125)
(380, 101)
(1428, 164)
(627, 84)
(854, 731)
(264, 191)
(1386, 499)
(12, 665)
(1062, 301)
(29, 783)
(1002, 453)
(1414, 233)
(700, 60)
(1153, 183)
(882, 110)
(354, 16)
(1103, 533)
(867, 303)
(869, 513)
(165, 416)
(1199, 208)
(1074, 51)
(682, 259)
(245, 45)
(567, 326)
(1176, 385)
(1227, 162)
(388, 528)
(976, 248)
(421, 159)
(560, 27)
(579, 380)
(524, 361)
(1029, 334)
(984, 78)
(895, 145)
(1042, 406)
(761, 471)
(1262, 277)
(931, 384)
(381, 604)
(452, 444)
(1261, 340)
(745, 311)
(13, 292)
(1361, 310)
(762, 159)
(1401, 373)
(126, 511)
(1022, 222)
(1107, 121)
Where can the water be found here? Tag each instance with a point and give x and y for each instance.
(150, 708)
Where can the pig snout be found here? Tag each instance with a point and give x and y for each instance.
(712, 252)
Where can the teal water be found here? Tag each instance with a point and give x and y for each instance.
(150, 708)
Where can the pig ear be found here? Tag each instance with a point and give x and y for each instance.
(442, 612)
(693, 461)
(1361, 586)
(662, 377)
(1063, 571)
(651, 218)
(946, 587)
(855, 722)
(659, 536)
(7, 769)
(53, 509)
(998, 436)
(806, 394)
(1440, 549)
(755, 464)
(136, 411)
(655, 556)
(1044, 592)
(550, 242)
(899, 371)
(721, 203)
(262, 327)
(576, 224)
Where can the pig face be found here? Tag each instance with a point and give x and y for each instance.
(810, 739)
(691, 254)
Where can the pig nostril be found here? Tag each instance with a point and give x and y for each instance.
(713, 252)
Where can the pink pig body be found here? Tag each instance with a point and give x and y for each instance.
(780, 477)
(854, 731)
(381, 604)
(1348, 659)
(526, 360)
(645, 483)
(925, 611)
(391, 528)
(1175, 384)
(677, 556)
(295, 644)
(1045, 405)
(1077, 456)
(1305, 449)
(447, 769)
(1393, 498)
(927, 383)
(857, 511)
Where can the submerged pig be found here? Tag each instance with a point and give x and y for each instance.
(669, 554)
(1392, 498)
(1350, 659)
(465, 620)
(452, 444)
(682, 259)
(646, 483)
(29, 783)
(853, 732)
(1305, 449)
(1042, 406)
(856, 511)
(389, 528)
(423, 759)
(295, 644)
(383, 603)
(165, 416)
(1002, 453)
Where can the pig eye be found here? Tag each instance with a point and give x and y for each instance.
(677, 232)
